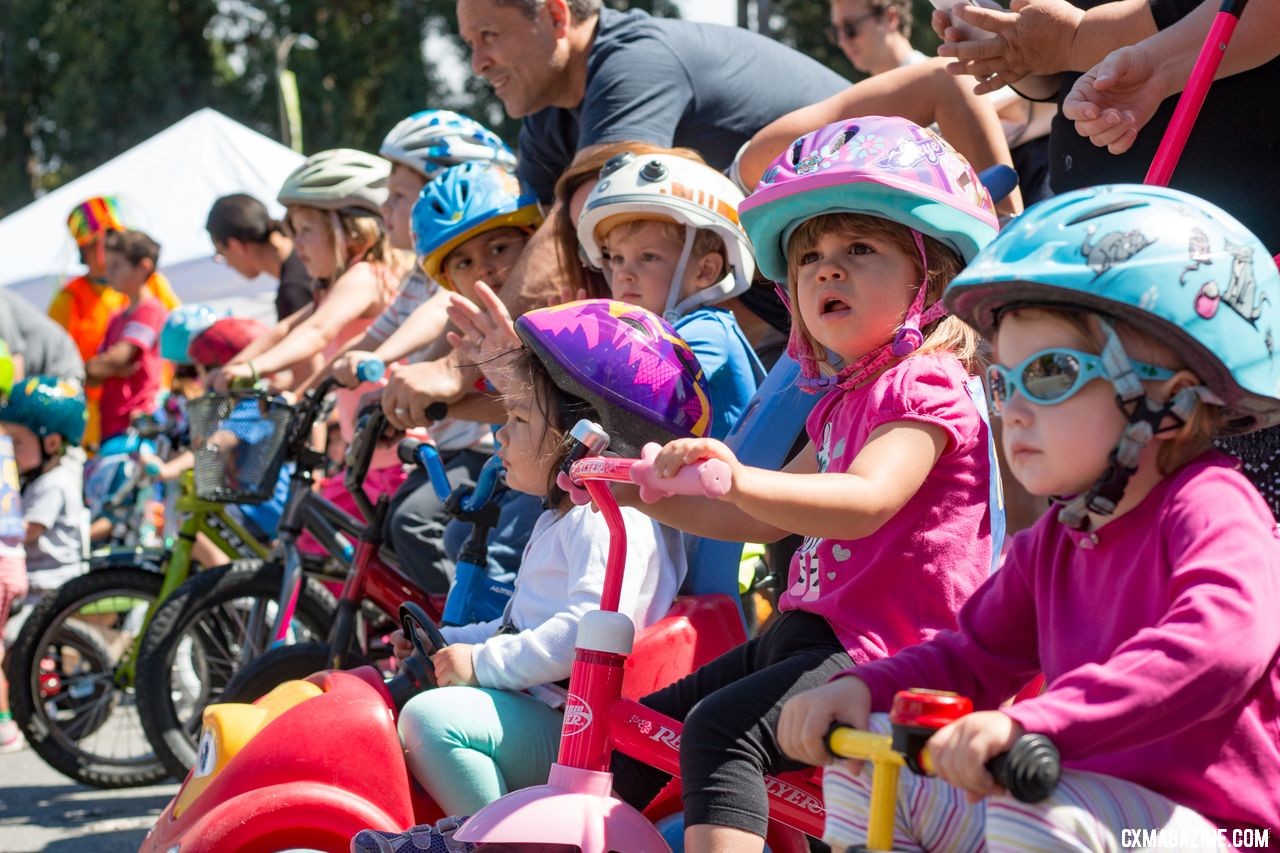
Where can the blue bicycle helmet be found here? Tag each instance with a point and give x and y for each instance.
(184, 324)
(431, 141)
(465, 202)
(1171, 264)
(47, 405)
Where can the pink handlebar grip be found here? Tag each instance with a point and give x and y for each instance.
(709, 478)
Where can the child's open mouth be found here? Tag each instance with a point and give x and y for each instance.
(833, 305)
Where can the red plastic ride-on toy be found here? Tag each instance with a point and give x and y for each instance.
(315, 761)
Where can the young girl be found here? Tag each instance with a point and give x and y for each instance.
(1131, 325)
(334, 202)
(868, 222)
(494, 724)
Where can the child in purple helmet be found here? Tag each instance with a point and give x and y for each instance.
(866, 221)
(494, 724)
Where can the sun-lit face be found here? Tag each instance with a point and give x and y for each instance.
(1061, 449)
(403, 188)
(313, 240)
(641, 259)
(866, 49)
(236, 254)
(853, 291)
(522, 58)
(124, 276)
(488, 258)
(528, 446)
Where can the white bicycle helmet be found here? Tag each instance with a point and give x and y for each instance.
(430, 141)
(670, 187)
(338, 179)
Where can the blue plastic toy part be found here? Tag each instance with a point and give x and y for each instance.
(370, 370)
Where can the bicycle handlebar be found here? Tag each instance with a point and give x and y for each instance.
(709, 478)
(370, 370)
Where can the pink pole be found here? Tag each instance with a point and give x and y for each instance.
(1175, 137)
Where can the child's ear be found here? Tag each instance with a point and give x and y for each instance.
(52, 444)
(709, 269)
(1166, 390)
(148, 265)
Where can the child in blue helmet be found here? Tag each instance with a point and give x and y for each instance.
(1131, 325)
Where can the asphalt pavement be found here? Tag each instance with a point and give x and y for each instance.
(42, 810)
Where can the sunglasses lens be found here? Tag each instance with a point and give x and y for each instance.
(1051, 377)
(995, 389)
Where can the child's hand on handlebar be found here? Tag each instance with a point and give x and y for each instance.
(344, 367)
(807, 717)
(688, 451)
(961, 750)
(402, 648)
(453, 666)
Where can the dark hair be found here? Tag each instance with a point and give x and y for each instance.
(134, 245)
(560, 411)
(242, 217)
(580, 10)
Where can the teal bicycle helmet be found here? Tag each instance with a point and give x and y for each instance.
(184, 324)
(47, 405)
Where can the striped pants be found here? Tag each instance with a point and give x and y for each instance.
(1088, 812)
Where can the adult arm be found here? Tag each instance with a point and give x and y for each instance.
(274, 335)
(1117, 97)
(923, 93)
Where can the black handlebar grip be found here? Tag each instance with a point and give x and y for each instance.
(407, 450)
(1029, 770)
(437, 411)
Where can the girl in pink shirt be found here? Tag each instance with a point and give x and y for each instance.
(867, 221)
(1131, 325)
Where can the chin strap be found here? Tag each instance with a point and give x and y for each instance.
(905, 341)
(1145, 419)
(670, 312)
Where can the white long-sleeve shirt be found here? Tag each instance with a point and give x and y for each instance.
(561, 577)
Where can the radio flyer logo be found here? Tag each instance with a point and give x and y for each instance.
(577, 715)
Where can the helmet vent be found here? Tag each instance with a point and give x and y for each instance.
(1107, 210)
(653, 171)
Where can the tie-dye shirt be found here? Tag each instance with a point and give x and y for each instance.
(907, 581)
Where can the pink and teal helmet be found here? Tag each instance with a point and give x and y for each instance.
(878, 165)
(640, 376)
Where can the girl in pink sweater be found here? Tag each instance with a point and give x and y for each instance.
(1131, 325)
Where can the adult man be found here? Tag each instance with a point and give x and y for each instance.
(581, 76)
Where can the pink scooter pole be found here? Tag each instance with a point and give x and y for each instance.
(1175, 137)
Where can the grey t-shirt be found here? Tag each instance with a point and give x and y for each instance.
(56, 500)
(45, 347)
(672, 82)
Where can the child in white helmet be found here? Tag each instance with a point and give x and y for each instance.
(665, 231)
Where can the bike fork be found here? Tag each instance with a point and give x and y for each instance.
(290, 585)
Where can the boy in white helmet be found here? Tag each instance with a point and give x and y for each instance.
(665, 231)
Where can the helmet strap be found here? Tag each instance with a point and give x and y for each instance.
(905, 341)
(1145, 419)
(672, 313)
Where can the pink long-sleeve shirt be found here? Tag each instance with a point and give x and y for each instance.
(1158, 637)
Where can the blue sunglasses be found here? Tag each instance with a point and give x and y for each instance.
(1052, 376)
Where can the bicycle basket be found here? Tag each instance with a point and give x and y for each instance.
(240, 441)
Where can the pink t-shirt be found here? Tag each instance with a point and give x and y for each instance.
(124, 396)
(1157, 636)
(905, 582)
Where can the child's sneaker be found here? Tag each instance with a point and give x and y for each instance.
(437, 838)
(11, 739)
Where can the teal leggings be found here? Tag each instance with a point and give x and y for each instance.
(470, 745)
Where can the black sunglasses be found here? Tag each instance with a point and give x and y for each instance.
(849, 29)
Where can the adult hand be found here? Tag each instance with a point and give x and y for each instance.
(1116, 98)
(961, 750)
(1033, 38)
(806, 718)
(453, 666)
(411, 388)
(344, 366)
(486, 334)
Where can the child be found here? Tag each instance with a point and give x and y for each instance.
(494, 725)
(867, 222)
(1146, 599)
(665, 230)
(128, 365)
(45, 416)
(470, 224)
(13, 559)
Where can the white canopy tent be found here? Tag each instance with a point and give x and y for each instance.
(166, 186)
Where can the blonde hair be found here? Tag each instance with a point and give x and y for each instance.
(1196, 434)
(364, 239)
(948, 334)
(705, 241)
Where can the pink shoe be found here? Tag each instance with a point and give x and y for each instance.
(11, 739)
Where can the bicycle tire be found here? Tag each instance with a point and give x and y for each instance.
(63, 747)
(283, 663)
(198, 610)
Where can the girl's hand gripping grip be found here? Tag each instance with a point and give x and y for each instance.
(709, 478)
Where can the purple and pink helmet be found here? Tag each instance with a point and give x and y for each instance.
(628, 363)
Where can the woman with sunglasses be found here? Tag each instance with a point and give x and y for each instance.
(1146, 598)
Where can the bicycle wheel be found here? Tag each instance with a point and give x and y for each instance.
(283, 663)
(72, 691)
(213, 624)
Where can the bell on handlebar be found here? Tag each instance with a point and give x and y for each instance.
(916, 715)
